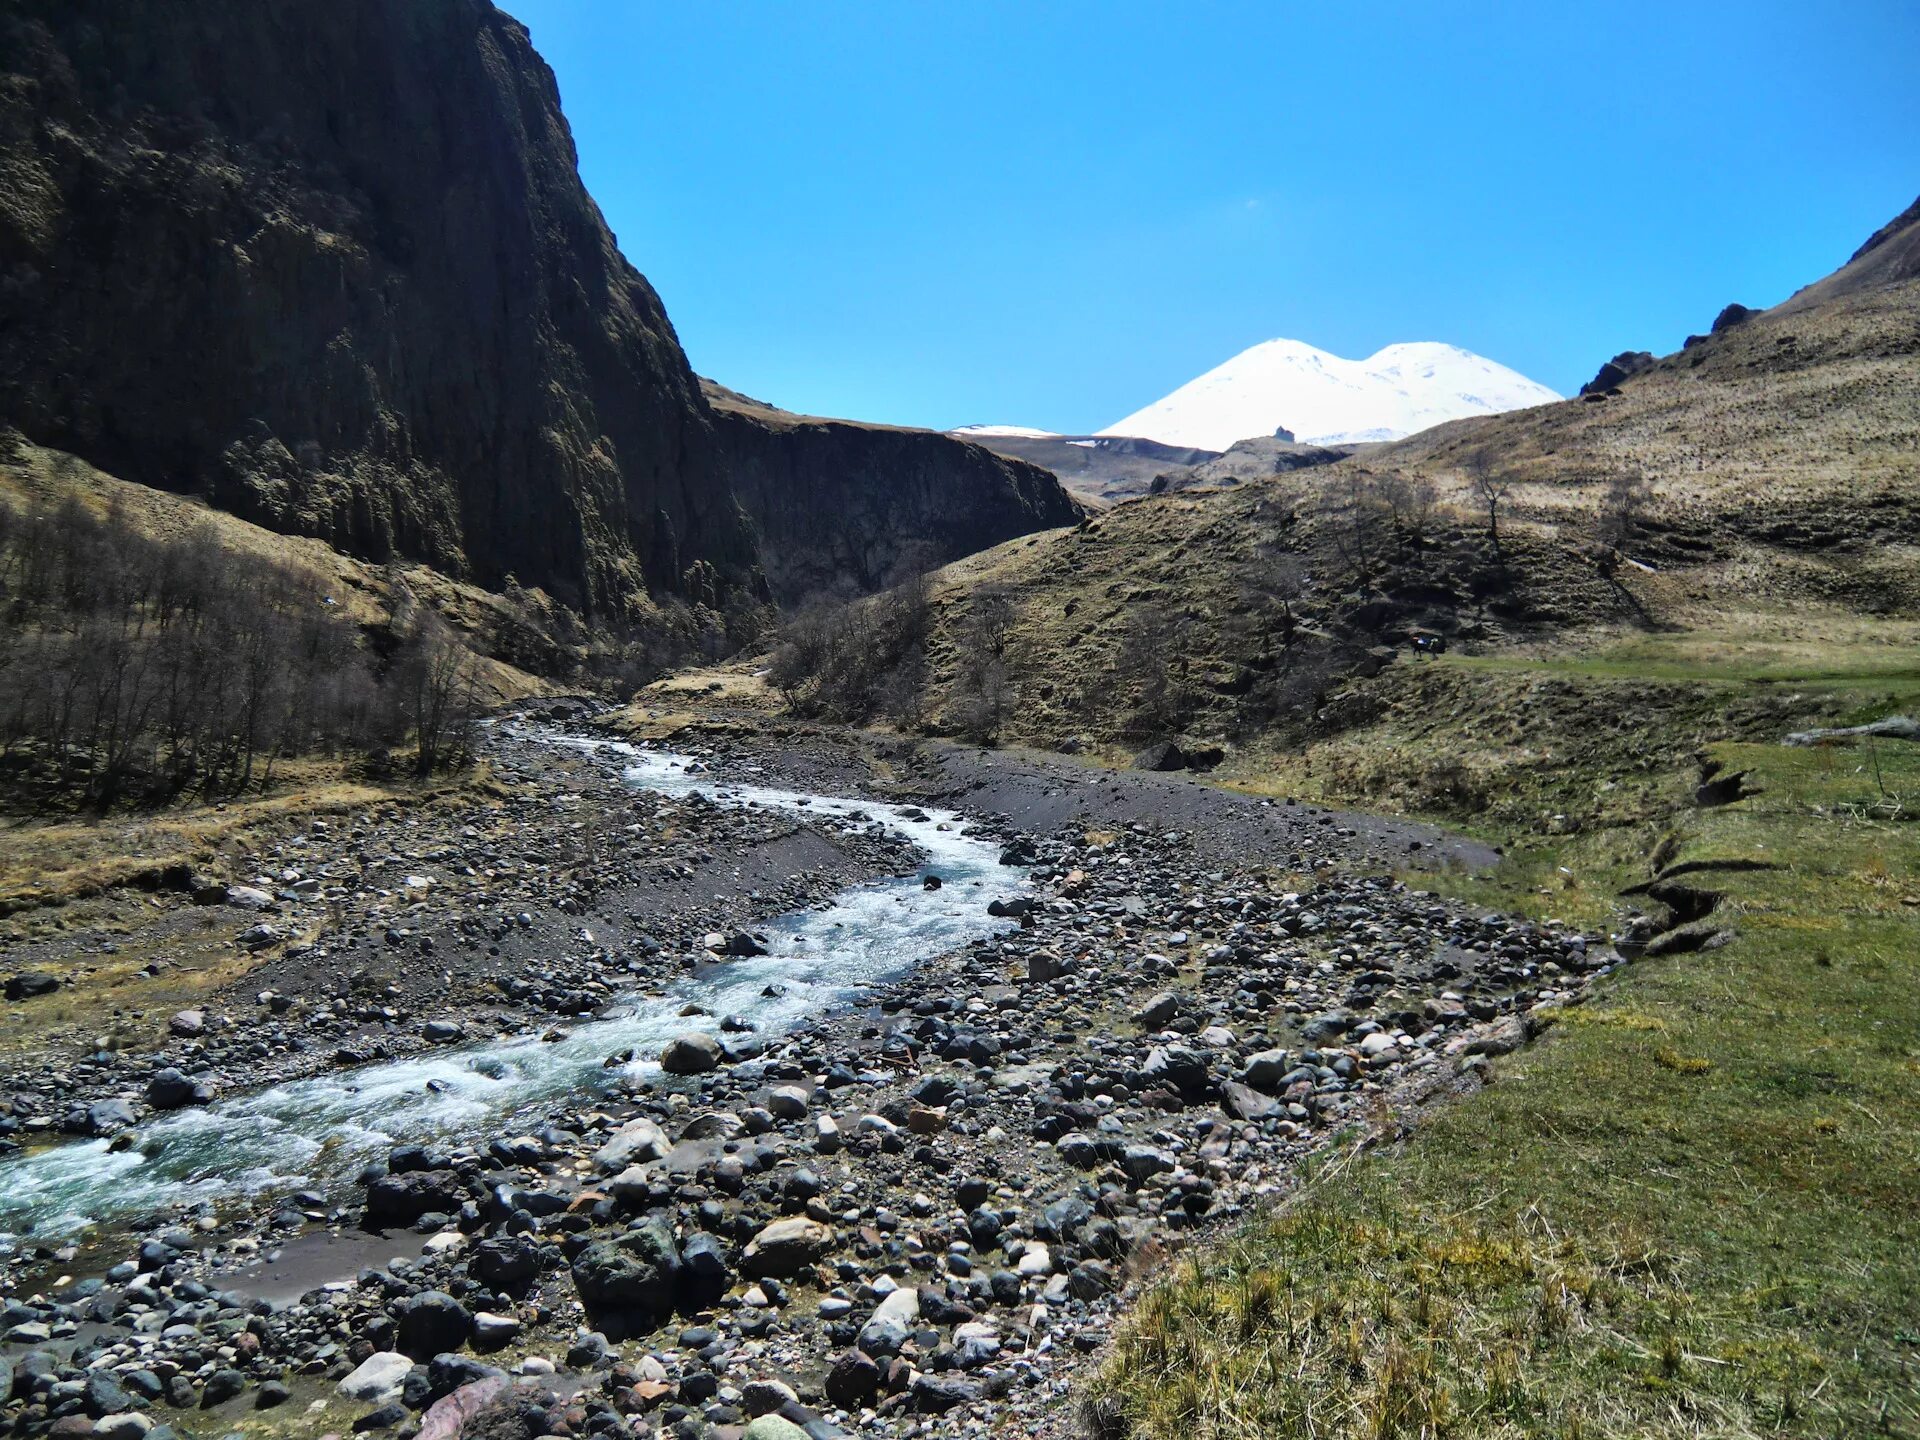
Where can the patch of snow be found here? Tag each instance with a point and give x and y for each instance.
(1326, 400)
(1024, 432)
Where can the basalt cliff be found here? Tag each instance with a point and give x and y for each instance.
(330, 264)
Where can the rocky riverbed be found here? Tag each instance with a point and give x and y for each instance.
(917, 1213)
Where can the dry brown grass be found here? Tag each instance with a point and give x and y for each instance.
(364, 591)
(73, 902)
(1783, 460)
(44, 863)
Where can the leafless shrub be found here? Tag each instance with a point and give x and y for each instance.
(1408, 501)
(851, 661)
(1623, 506)
(983, 692)
(1152, 670)
(140, 666)
(1358, 521)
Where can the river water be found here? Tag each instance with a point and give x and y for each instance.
(318, 1133)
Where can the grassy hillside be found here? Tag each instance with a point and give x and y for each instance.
(1764, 474)
(1688, 1211)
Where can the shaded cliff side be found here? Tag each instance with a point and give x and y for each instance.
(847, 505)
(330, 264)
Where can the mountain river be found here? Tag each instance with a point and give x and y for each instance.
(319, 1132)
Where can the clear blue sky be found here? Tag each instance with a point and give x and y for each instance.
(1052, 213)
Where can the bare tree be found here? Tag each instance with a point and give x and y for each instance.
(983, 691)
(1491, 491)
(1622, 507)
(149, 664)
(1269, 607)
(444, 681)
(1409, 502)
(1358, 518)
(1153, 669)
(846, 661)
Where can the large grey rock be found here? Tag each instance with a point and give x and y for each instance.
(936, 1394)
(1618, 370)
(1246, 1103)
(170, 1089)
(1162, 756)
(109, 1117)
(1264, 1069)
(787, 1247)
(852, 1381)
(1155, 1014)
(505, 1262)
(891, 1323)
(691, 1054)
(634, 1143)
(764, 1397)
(105, 1395)
(1141, 1162)
(378, 1378)
(30, 983)
(1178, 1067)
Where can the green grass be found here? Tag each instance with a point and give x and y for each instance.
(1819, 648)
(1692, 1210)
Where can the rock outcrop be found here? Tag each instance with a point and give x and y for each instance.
(837, 503)
(1618, 370)
(330, 264)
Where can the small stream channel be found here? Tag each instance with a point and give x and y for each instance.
(319, 1132)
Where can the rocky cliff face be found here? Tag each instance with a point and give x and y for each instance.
(844, 505)
(329, 263)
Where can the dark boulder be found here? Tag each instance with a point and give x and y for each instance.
(403, 1199)
(30, 983)
(431, 1323)
(705, 1274)
(506, 1262)
(1731, 316)
(852, 1381)
(1163, 756)
(935, 1394)
(635, 1275)
(169, 1089)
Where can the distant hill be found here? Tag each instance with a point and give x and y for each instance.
(1096, 469)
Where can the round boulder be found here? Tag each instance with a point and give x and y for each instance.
(635, 1274)
(432, 1322)
(693, 1053)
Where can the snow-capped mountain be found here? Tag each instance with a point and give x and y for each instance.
(1325, 400)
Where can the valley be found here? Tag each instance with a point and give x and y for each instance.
(543, 895)
(920, 1082)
